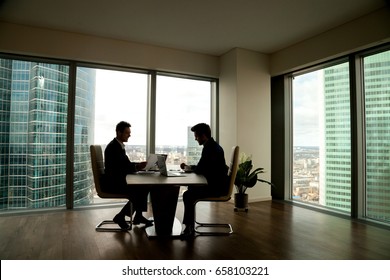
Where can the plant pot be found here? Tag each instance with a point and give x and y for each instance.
(241, 201)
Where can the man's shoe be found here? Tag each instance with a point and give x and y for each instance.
(188, 232)
(120, 220)
(142, 220)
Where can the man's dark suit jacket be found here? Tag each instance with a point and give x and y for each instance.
(212, 165)
(117, 166)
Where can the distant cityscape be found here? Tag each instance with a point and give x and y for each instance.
(306, 174)
(190, 153)
(175, 154)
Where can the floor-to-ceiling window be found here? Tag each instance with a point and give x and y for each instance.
(339, 136)
(103, 99)
(180, 104)
(34, 105)
(377, 134)
(33, 127)
(106, 97)
(321, 137)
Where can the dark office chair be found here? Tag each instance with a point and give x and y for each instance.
(98, 173)
(232, 176)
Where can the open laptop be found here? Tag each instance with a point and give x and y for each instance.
(163, 167)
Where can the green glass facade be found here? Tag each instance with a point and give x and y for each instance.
(328, 90)
(377, 130)
(33, 125)
(336, 192)
(337, 169)
(84, 135)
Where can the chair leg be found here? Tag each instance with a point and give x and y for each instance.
(102, 226)
(199, 225)
(213, 225)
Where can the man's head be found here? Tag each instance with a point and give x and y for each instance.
(123, 131)
(202, 132)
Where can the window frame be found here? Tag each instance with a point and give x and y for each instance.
(151, 107)
(281, 89)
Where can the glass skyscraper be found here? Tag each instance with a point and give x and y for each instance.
(335, 190)
(377, 135)
(337, 152)
(33, 131)
(84, 135)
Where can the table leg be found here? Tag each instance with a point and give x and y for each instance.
(164, 202)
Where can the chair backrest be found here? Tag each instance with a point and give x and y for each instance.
(98, 173)
(233, 166)
(97, 167)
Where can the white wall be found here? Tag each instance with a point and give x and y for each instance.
(27, 40)
(228, 102)
(367, 31)
(245, 111)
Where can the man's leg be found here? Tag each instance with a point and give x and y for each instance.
(120, 217)
(140, 203)
(139, 198)
(189, 198)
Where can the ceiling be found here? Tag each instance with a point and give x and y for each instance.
(204, 26)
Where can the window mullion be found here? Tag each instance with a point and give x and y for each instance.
(151, 113)
(70, 137)
(357, 138)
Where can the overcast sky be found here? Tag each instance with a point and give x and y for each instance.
(182, 103)
(115, 97)
(308, 90)
(122, 96)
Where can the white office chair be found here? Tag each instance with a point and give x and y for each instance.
(98, 173)
(232, 176)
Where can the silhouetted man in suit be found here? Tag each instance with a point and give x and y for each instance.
(212, 165)
(117, 166)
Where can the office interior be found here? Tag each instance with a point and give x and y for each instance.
(251, 100)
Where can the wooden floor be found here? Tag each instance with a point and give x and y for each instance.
(270, 230)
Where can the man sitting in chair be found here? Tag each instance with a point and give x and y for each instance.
(117, 166)
(212, 165)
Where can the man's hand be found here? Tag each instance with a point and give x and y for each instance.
(140, 165)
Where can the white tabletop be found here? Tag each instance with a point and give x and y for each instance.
(188, 179)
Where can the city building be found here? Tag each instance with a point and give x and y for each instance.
(335, 187)
(377, 124)
(34, 107)
(333, 176)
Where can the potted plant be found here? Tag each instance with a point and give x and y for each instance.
(245, 178)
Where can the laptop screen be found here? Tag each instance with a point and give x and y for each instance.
(161, 164)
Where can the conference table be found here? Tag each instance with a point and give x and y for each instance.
(164, 194)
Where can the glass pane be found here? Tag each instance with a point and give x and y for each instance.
(321, 138)
(33, 118)
(181, 103)
(103, 99)
(84, 135)
(377, 117)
